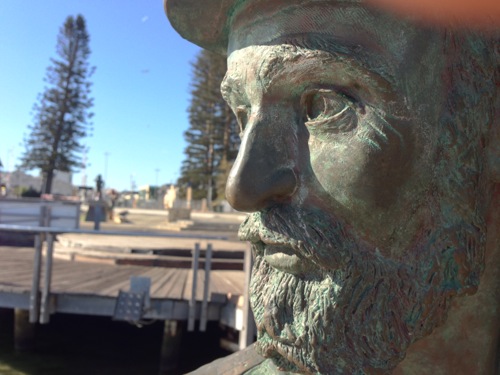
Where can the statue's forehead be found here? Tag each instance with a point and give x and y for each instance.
(287, 70)
(348, 24)
(312, 51)
(271, 57)
(262, 63)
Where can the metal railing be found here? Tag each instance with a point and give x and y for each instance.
(15, 211)
(55, 230)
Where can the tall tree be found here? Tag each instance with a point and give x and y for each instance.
(61, 117)
(212, 136)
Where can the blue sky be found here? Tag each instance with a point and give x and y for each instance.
(140, 87)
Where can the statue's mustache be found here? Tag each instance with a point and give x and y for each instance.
(311, 233)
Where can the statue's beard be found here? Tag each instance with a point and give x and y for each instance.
(353, 310)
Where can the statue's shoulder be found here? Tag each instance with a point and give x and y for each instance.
(245, 361)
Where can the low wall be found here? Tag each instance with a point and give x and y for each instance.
(175, 214)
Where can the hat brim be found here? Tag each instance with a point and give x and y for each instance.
(204, 23)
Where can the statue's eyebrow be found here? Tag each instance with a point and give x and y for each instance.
(370, 56)
(228, 86)
(225, 89)
(270, 72)
(277, 60)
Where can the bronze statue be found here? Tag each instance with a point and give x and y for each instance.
(370, 160)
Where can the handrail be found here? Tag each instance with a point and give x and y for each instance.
(32, 229)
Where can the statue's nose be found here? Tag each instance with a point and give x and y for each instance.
(263, 173)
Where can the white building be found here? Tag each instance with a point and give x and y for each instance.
(17, 181)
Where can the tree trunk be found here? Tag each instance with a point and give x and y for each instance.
(48, 178)
(210, 174)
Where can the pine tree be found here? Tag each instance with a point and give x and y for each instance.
(61, 117)
(212, 136)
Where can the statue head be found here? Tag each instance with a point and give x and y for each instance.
(368, 156)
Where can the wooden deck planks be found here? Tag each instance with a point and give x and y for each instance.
(110, 287)
(230, 281)
(66, 272)
(175, 286)
(98, 284)
(16, 267)
(162, 278)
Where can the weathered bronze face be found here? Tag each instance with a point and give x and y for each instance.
(320, 129)
(338, 160)
(363, 163)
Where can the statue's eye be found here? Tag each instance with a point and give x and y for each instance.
(329, 111)
(242, 117)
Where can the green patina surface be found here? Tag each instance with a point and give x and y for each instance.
(368, 160)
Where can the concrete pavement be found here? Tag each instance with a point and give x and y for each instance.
(208, 224)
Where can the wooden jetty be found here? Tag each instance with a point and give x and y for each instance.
(197, 288)
(90, 288)
(36, 284)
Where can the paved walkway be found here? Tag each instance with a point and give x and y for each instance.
(202, 224)
(105, 242)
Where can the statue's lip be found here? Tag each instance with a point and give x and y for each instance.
(284, 259)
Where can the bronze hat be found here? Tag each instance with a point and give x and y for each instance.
(203, 22)
(207, 23)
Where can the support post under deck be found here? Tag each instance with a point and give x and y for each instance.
(24, 331)
(6, 327)
(170, 347)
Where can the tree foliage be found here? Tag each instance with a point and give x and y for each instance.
(61, 115)
(212, 137)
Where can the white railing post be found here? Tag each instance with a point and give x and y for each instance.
(248, 330)
(192, 301)
(206, 288)
(35, 284)
(44, 306)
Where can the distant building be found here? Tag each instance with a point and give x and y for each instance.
(18, 181)
(148, 192)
